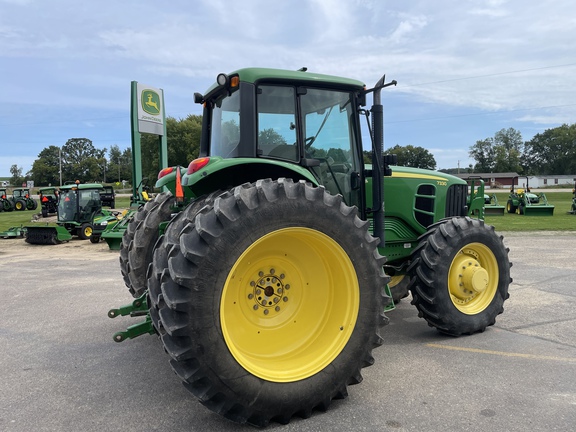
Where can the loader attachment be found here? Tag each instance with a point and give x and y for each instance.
(536, 205)
(47, 234)
(492, 208)
(539, 210)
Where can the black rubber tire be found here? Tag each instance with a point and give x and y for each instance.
(430, 271)
(139, 239)
(510, 207)
(95, 238)
(44, 212)
(31, 204)
(399, 289)
(171, 236)
(85, 231)
(20, 205)
(7, 206)
(191, 267)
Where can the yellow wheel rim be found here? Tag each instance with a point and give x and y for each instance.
(289, 304)
(395, 280)
(88, 231)
(473, 278)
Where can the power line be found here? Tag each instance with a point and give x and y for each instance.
(478, 114)
(490, 75)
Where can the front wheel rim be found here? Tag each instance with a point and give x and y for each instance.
(473, 278)
(289, 304)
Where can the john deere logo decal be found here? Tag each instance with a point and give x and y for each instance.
(150, 102)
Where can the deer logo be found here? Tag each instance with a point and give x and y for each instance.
(150, 102)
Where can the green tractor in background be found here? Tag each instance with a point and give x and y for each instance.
(262, 268)
(523, 202)
(21, 200)
(48, 197)
(5, 202)
(114, 233)
(78, 205)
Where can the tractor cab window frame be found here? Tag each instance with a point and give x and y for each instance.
(301, 122)
(225, 125)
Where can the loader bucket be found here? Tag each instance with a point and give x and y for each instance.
(47, 234)
(494, 210)
(113, 239)
(539, 210)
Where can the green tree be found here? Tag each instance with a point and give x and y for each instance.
(119, 164)
(508, 147)
(413, 156)
(82, 161)
(483, 153)
(552, 152)
(17, 179)
(501, 153)
(270, 137)
(46, 168)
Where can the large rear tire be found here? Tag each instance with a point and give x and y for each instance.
(139, 239)
(270, 300)
(460, 275)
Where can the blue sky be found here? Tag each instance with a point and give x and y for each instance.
(465, 69)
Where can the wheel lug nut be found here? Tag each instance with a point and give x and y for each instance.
(282, 276)
(272, 271)
(261, 273)
(252, 283)
(255, 307)
(250, 296)
(277, 308)
(287, 286)
(266, 312)
(285, 299)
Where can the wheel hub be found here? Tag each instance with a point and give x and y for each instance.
(268, 291)
(475, 278)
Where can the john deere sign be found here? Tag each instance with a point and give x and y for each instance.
(150, 110)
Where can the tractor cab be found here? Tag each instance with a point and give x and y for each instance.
(79, 203)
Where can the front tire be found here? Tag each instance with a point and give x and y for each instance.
(85, 231)
(266, 310)
(460, 275)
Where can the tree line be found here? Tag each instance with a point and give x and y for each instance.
(550, 152)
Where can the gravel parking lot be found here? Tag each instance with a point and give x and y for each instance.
(61, 371)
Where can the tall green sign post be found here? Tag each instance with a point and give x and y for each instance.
(147, 116)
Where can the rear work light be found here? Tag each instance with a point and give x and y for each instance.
(197, 164)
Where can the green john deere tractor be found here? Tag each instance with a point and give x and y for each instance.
(114, 233)
(78, 206)
(523, 202)
(267, 274)
(48, 200)
(5, 202)
(21, 199)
